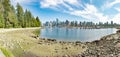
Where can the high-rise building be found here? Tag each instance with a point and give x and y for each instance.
(111, 22)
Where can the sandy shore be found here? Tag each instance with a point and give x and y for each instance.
(21, 42)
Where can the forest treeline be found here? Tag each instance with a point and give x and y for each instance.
(16, 18)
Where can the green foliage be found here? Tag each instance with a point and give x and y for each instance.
(28, 17)
(36, 32)
(38, 23)
(6, 52)
(14, 18)
(6, 6)
(1, 21)
(20, 14)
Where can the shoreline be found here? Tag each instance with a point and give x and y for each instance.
(107, 46)
(21, 43)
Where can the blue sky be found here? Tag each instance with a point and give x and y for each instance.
(79, 10)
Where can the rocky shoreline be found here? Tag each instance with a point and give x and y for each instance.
(65, 49)
(28, 45)
(107, 46)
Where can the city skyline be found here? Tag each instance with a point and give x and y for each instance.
(80, 24)
(79, 10)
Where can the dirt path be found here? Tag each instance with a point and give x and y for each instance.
(14, 29)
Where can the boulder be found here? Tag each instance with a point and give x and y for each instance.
(77, 43)
(117, 45)
(118, 31)
(53, 40)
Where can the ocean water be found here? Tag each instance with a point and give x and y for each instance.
(75, 34)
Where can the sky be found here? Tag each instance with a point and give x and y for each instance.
(73, 10)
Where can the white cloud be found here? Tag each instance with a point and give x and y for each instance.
(118, 9)
(56, 4)
(90, 13)
(23, 1)
(73, 2)
(109, 4)
(113, 3)
(116, 18)
(48, 3)
(14, 2)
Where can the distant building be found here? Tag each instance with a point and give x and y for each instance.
(57, 21)
(111, 22)
(80, 24)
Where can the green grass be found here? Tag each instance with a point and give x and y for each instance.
(36, 32)
(6, 52)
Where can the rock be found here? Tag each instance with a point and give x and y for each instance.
(34, 37)
(83, 47)
(118, 55)
(39, 43)
(66, 55)
(116, 37)
(96, 42)
(66, 48)
(111, 55)
(53, 40)
(118, 31)
(117, 45)
(109, 38)
(77, 42)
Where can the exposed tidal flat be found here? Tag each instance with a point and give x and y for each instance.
(24, 43)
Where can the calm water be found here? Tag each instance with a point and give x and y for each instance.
(75, 34)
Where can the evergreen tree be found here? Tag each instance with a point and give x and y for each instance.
(11, 17)
(27, 18)
(1, 15)
(6, 6)
(1, 21)
(38, 22)
(20, 15)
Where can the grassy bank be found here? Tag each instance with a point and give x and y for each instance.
(36, 32)
(6, 52)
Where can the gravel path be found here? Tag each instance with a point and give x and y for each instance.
(13, 29)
